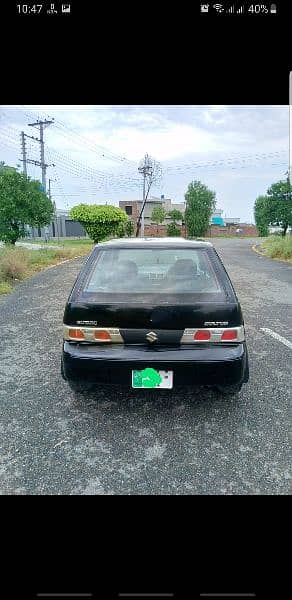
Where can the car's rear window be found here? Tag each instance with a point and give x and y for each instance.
(160, 271)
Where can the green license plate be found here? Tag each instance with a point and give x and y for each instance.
(150, 378)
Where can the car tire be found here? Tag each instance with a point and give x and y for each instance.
(229, 390)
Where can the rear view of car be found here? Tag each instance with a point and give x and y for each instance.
(156, 313)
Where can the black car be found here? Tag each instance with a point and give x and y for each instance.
(154, 313)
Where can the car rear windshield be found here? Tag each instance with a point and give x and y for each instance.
(159, 271)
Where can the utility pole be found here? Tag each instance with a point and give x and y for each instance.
(55, 209)
(42, 164)
(23, 151)
(144, 190)
(146, 170)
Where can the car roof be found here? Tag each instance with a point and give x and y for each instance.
(154, 242)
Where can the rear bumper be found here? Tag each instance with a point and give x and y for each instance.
(200, 365)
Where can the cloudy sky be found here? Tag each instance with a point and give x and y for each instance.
(237, 151)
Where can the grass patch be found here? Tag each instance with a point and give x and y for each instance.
(79, 242)
(17, 262)
(278, 247)
(5, 287)
(62, 242)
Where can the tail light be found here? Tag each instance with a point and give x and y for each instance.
(216, 335)
(102, 336)
(92, 334)
(229, 335)
(76, 334)
(202, 335)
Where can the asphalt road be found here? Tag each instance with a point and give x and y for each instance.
(186, 442)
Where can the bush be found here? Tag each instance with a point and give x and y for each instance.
(173, 230)
(19, 263)
(99, 221)
(278, 247)
(129, 228)
(13, 264)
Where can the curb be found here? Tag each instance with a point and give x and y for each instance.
(61, 263)
(254, 248)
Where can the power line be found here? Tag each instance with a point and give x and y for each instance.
(235, 158)
(91, 174)
(104, 152)
(8, 140)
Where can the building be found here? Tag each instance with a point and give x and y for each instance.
(133, 208)
(217, 218)
(62, 226)
(218, 225)
(231, 220)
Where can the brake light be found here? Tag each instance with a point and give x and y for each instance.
(76, 334)
(214, 335)
(102, 335)
(229, 335)
(202, 335)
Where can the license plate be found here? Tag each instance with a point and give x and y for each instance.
(150, 378)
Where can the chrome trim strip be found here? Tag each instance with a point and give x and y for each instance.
(188, 335)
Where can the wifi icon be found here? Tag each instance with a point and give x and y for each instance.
(218, 7)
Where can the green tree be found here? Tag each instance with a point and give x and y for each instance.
(126, 228)
(175, 215)
(173, 230)
(21, 203)
(262, 215)
(200, 203)
(99, 220)
(129, 228)
(280, 204)
(120, 232)
(158, 215)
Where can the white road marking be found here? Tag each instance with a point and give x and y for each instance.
(277, 337)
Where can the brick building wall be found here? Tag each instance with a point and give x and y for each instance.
(135, 210)
(215, 230)
(152, 230)
(160, 231)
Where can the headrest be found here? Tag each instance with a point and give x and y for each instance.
(126, 268)
(184, 267)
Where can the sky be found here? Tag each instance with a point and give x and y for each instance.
(94, 152)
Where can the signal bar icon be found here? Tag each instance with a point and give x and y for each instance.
(240, 10)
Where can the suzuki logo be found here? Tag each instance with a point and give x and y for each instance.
(151, 336)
